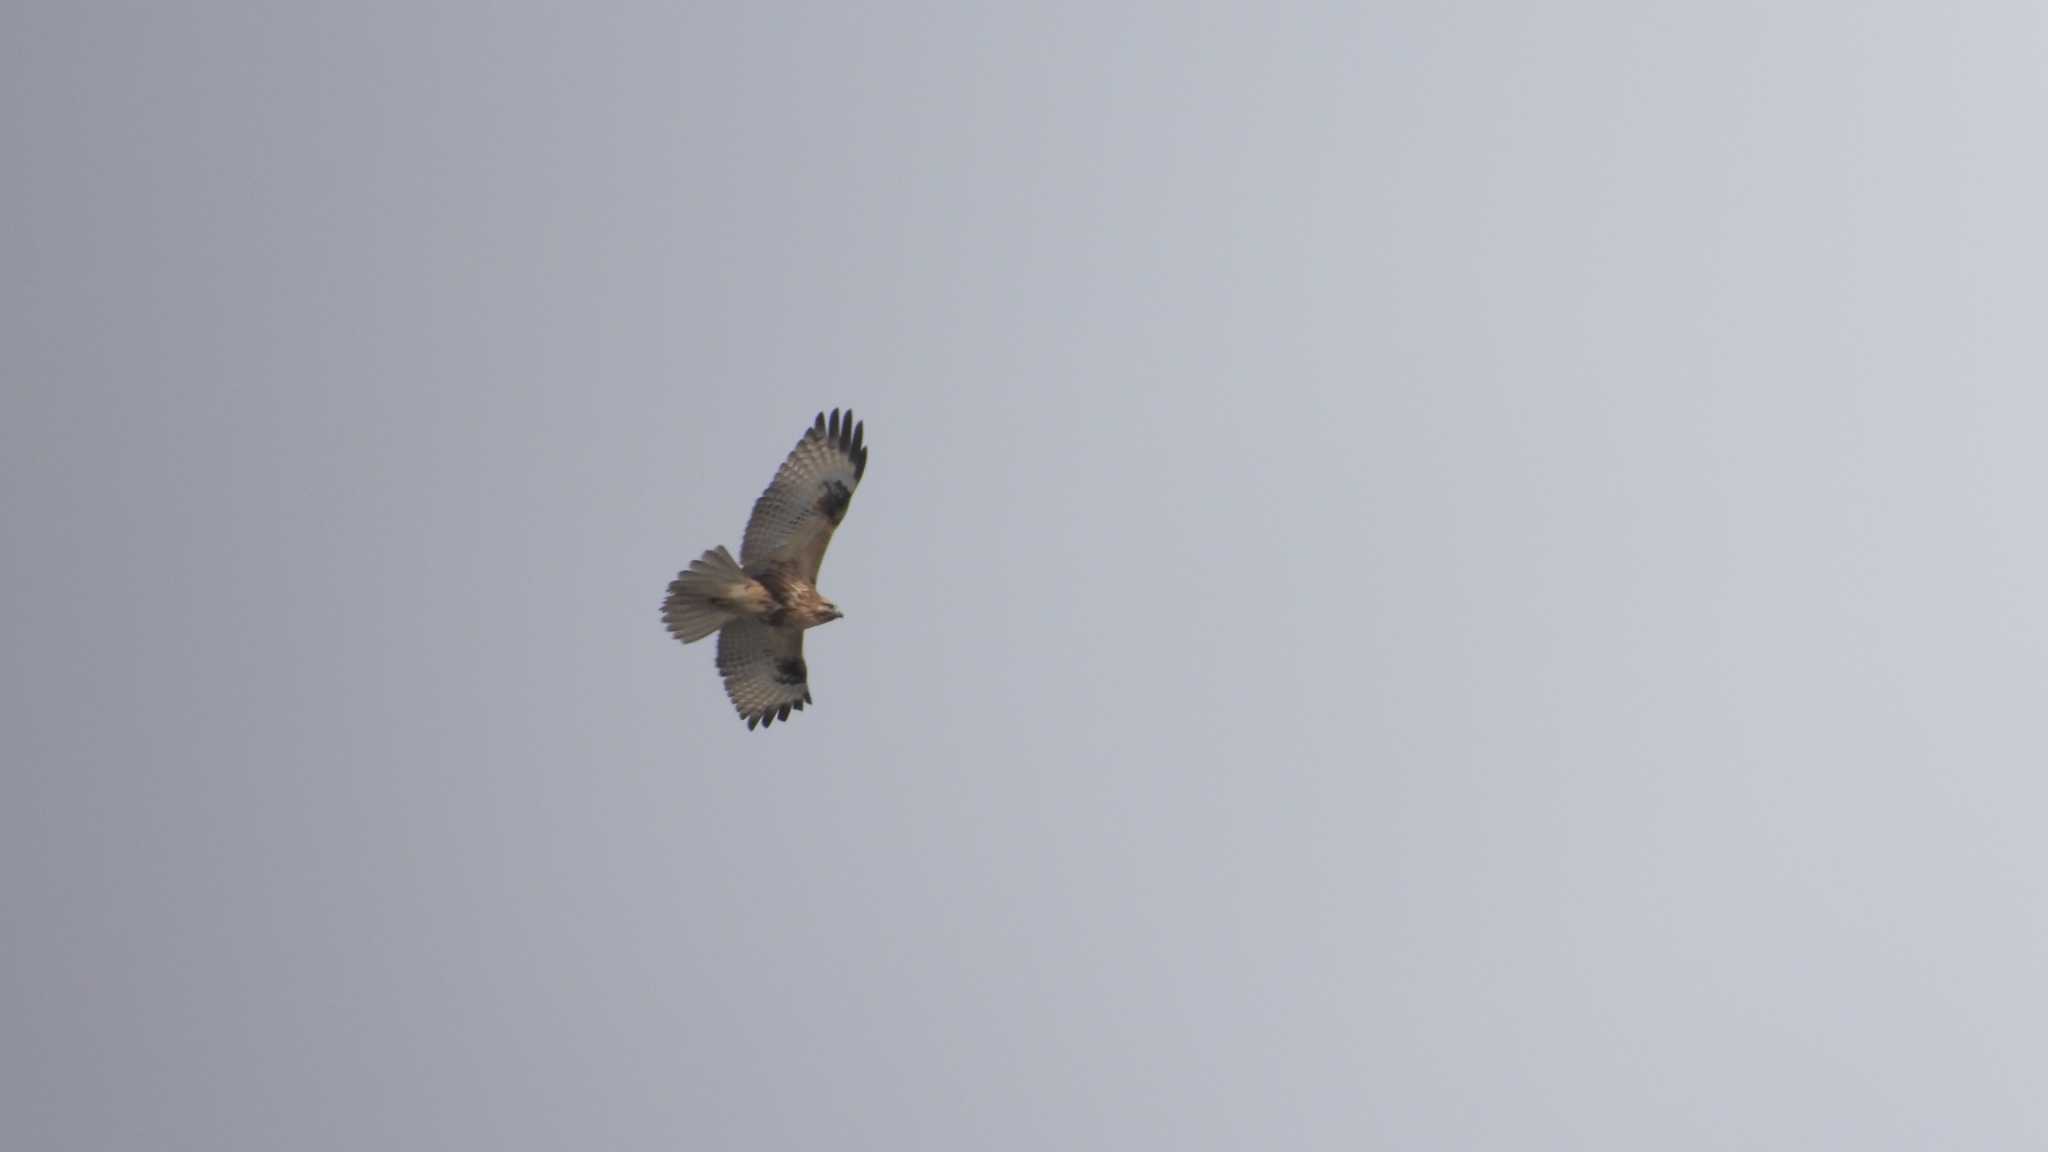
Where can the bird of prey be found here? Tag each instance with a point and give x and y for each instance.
(761, 604)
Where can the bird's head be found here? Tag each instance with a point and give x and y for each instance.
(829, 610)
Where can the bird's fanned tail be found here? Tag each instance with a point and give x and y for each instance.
(693, 609)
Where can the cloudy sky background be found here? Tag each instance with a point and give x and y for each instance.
(1431, 576)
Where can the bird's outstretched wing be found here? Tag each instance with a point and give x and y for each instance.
(764, 671)
(793, 520)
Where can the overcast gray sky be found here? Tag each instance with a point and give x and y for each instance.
(1431, 576)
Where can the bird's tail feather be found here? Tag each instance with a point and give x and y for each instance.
(698, 597)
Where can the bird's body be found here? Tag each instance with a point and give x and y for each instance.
(761, 604)
(777, 596)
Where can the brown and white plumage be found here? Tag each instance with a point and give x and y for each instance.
(764, 670)
(761, 604)
(794, 519)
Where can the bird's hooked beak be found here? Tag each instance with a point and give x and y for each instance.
(833, 613)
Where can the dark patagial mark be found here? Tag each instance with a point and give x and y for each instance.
(790, 671)
(780, 588)
(833, 503)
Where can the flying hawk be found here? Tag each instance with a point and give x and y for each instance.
(760, 604)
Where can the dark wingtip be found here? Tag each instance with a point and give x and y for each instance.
(850, 437)
(839, 429)
(751, 721)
